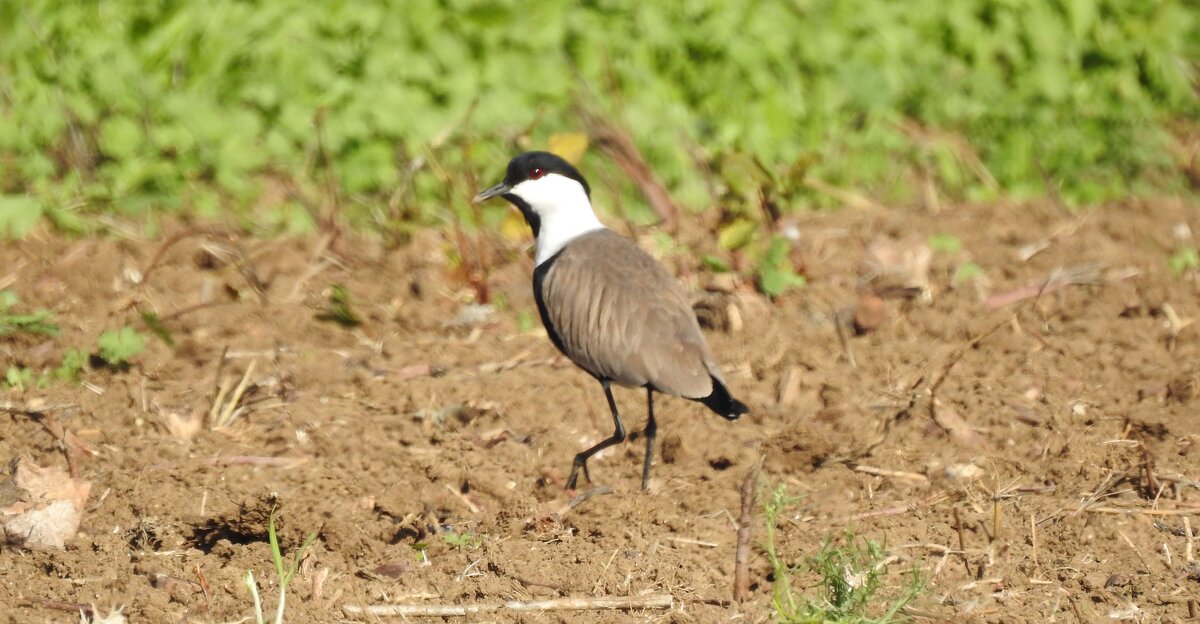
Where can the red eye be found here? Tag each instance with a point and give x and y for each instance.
(534, 174)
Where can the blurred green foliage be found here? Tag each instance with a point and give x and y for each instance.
(117, 347)
(397, 111)
(11, 322)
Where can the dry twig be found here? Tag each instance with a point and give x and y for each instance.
(897, 510)
(1144, 512)
(1087, 273)
(741, 568)
(895, 474)
(627, 603)
(224, 412)
(618, 145)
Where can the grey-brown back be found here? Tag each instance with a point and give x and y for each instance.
(618, 314)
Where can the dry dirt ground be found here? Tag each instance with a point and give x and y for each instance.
(1037, 460)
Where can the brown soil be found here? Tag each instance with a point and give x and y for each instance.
(412, 431)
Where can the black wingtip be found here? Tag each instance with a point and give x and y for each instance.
(723, 403)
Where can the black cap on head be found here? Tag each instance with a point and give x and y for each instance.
(533, 165)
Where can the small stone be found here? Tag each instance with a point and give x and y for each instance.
(1192, 571)
(1116, 580)
(870, 313)
(963, 472)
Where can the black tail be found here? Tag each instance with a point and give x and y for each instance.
(723, 403)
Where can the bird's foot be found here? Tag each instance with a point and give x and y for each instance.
(574, 477)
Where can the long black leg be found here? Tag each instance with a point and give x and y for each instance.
(651, 430)
(618, 436)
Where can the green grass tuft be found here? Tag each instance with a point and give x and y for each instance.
(851, 574)
(37, 323)
(283, 572)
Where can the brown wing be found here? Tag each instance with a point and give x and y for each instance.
(618, 314)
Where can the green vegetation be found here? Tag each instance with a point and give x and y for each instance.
(70, 370)
(463, 541)
(394, 112)
(30, 323)
(37, 323)
(74, 362)
(118, 347)
(945, 243)
(966, 272)
(283, 574)
(339, 308)
(1183, 260)
(950, 244)
(21, 378)
(156, 327)
(851, 577)
(775, 272)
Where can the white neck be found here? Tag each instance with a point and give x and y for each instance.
(563, 209)
(558, 230)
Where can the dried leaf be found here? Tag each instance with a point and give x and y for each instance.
(959, 430)
(50, 483)
(570, 145)
(393, 569)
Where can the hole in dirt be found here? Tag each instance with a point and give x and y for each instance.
(720, 463)
(206, 538)
(246, 525)
(409, 535)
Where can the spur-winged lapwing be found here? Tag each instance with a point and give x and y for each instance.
(606, 304)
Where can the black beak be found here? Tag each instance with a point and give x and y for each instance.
(499, 189)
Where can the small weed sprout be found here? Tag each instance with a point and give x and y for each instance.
(464, 540)
(339, 310)
(35, 323)
(116, 348)
(422, 556)
(285, 575)
(851, 574)
(1184, 260)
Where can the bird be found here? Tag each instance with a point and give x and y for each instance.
(606, 304)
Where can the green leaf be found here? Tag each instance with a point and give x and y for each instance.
(525, 321)
(339, 308)
(775, 273)
(714, 263)
(72, 366)
(1184, 260)
(737, 234)
(155, 325)
(118, 347)
(19, 378)
(121, 137)
(965, 272)
(18, 215)
(33, 323)
(945, 243)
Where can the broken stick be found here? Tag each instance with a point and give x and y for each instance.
(628, 603)
(741, 558)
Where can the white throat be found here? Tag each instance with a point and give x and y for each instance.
(563, 209)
